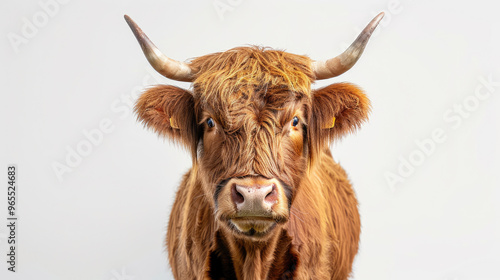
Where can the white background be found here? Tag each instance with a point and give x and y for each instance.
(79, 65)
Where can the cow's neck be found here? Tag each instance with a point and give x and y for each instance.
(255, 260)
(252, 259)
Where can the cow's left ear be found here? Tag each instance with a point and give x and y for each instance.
(170, 112)
(337, 110)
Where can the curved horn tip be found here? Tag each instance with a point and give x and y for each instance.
(338, 65)
(380, 15)
(131, 23)
(128, 20)
(370, 27)
(376, 20)
(172, 69)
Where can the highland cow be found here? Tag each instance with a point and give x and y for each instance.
(264, 198)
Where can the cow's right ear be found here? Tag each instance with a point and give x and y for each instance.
(170, 112)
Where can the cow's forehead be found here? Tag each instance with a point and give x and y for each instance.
(251, 74)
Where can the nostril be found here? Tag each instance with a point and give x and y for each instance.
(238, 198)
(272, 196)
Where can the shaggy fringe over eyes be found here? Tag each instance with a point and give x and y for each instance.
(234, 76)
(239, 86)
(169, 111)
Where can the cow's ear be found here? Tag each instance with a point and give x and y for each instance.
(170, 112)
(337, 110)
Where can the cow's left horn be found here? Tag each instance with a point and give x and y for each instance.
(340, 64)
(166, 66)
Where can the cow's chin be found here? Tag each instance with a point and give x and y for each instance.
(254, 228)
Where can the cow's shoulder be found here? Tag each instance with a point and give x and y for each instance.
(190, 231)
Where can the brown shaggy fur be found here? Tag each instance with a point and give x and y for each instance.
(253, 94)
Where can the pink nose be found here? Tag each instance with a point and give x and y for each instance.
(254, 200)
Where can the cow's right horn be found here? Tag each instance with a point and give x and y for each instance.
(166, 66)
(343, 62)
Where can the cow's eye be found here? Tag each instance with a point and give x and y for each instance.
(210, 122)
(295, 121)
